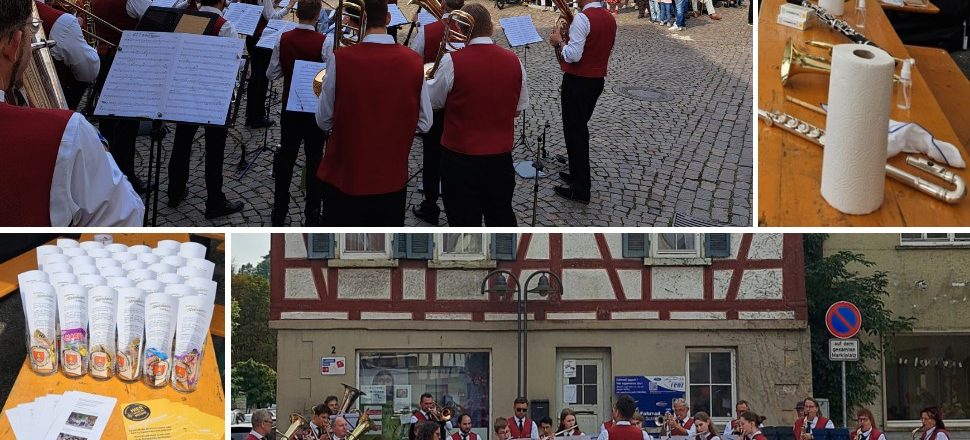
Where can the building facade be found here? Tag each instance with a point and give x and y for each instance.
(726, 312)
(929, 280)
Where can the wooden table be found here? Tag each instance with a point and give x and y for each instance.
(930, 8)
(790, 168)
(948, 84)
(209, 397)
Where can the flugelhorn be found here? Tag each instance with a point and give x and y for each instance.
(817, 136)
(91, 21)
(794, 62)
(354, 11)
(459, 26)
(563, 22)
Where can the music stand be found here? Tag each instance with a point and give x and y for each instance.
(148, 100)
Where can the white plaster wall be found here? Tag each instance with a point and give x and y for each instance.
(299, 284)
(615, 243)
(631, 280)
(461, 284)
(586, 284)
(580, 246)
(294, 246)
(677, 283)
(364, 284)
(761, 284)
(414, 284)
(722, 279)
(735, 245)
(769, 315)
(538, 247)
(766, 247)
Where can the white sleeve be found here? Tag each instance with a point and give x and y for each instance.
(137, 8)
(327, 50)
(88, 189)
(524, 91)
(73, 50)
(829, 425)
(414, 419)
(324, 113)
(604, 434)
(692, 431)
(578, 31)
(425, 118)
(417, 44)
(275, 70)
(228, 30)
(448, 426)
(270, 12)
(535, 431)
(647, 436)
(440, 85)
(727, 428)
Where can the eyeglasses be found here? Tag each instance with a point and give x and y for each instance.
(521, 409)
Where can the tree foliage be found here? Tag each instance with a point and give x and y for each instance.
(833, 278)
(255, 380)
(251, 337)
(260, 269)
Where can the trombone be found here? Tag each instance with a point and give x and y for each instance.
(90, 19)
(456, 23)
(354, 10)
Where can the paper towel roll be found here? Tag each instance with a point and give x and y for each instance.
(860, 98)
(835, 7)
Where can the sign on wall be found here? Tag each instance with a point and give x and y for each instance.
(654, 394)
(333, 366)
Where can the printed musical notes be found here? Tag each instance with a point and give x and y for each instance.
(397, 17)
(425, 18)
(301, 97)
(272, 32)
(244, 17)
(164, 3)
(172, 77)
(520, 30)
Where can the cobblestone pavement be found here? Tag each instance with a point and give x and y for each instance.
(688, 150)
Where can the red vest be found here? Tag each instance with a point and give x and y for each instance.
(599, 45)
(800, 425)
(759, 436)
(526, 428)
(624, 432)
(688, 424)
(608, 424)
(941, 431)
(457, 436)
(216, 27)
(367, 151)
(874, 435)
(298, 44)
(420, 416)
(433, 33)
(480, 109)
(114, 12)
(28, 153)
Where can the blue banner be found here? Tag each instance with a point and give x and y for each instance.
(654, 394)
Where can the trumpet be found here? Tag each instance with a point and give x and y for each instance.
(91, 21)
(354, 10)
(562, 24)
(817, 136)
(459, 26)
(441, 414)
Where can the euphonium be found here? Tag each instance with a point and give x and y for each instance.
(364, 424)
(41, 88)
(563, 22)
(354, 10)
(296, 422)
(350, 396)
(459, 26)
(432, 6)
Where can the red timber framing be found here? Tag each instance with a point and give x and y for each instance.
(326, 279)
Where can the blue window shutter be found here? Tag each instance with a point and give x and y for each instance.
(399, 243)
(717, 245)
(320, 246)
(636, 245)
(420, 246)
(503, 247)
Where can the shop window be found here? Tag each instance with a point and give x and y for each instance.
(711, 382)
(928, 370)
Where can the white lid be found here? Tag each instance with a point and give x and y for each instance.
(907, 72)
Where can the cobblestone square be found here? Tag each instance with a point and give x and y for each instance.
(671, 136)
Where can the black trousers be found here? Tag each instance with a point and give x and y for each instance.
(178, 165)
(258, 83)
(298, 128)
(73, 92)
(121, 134)
(477, 187)
(431, 176)
(579, 97)
(342, 209)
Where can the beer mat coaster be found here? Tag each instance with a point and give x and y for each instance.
(162, 419)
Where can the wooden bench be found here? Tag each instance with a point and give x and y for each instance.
(948, 84)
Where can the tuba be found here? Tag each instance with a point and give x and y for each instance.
(354, 10)
(465, 24)
(350, 396)
(41, 87)
(432, 6)
(562, 24)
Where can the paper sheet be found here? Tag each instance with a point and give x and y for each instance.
(80, 416)
(397, 17)
(272, 32)
(161, 418)
(520, 30)
(425, 18)
(194, 316)
(164, 3)
(301, 98)
(172, 77)
(244, 17)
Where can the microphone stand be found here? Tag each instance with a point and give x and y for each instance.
(537, 164)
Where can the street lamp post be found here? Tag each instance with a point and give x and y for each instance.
(502, 287)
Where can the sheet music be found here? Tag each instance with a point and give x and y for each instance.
(283, 4)
(164, 3)
(301, 97)
(425, 18)
(244, 17)
(272, 32)
(172, 77)
(520, 30)
(397, 17)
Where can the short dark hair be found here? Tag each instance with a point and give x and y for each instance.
(330, 399)
(483, 19)
(753, 417)
(426, 430)
(426, 396)
(322, 409)
(13, 13)
(376, 11)
(547, 420)
(519, 400)
(307, 9)
(462, 417)
(626, 406)
(500, 424)
(454, 5)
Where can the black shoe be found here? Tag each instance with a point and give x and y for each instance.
(427, 213)
(265, 122)
(278, 219)
(571, 195)
(224, 208)
(312, 219)
(140, 186)
(565, 177)
(175, 198)
(562, 158)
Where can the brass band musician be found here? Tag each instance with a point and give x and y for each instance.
(732, 426)
(705, 427)
(623, 411)
(749, 424)
(428, 412)
(567, 423)
(501, 429)
(867, 429)
(683, 423)
(464, 429)
(76, 62)
(520, 425)
(933, 427)
(318, 426)
(812, 420)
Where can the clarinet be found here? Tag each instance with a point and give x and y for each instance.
(835, 23)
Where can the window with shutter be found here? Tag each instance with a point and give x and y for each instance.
(413, 246)
(717, 245)
(504, 247)
(320, 246)
(636, 245)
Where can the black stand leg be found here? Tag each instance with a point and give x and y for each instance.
(154, 169)
(244, 167)
(411, 29)
(539, 166)
(522, 139)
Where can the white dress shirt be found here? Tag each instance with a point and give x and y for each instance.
(865, 435)
(572, 52)
(324, 113)
(444, 79)
(87, 188)
(256, 434)
(228, 30)
(933, 434)
(73, 50)
(414, 419)
(534, 433)
(275, 70)
(270, 12)
(417, 44)
(137, 8)
(828, 425)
